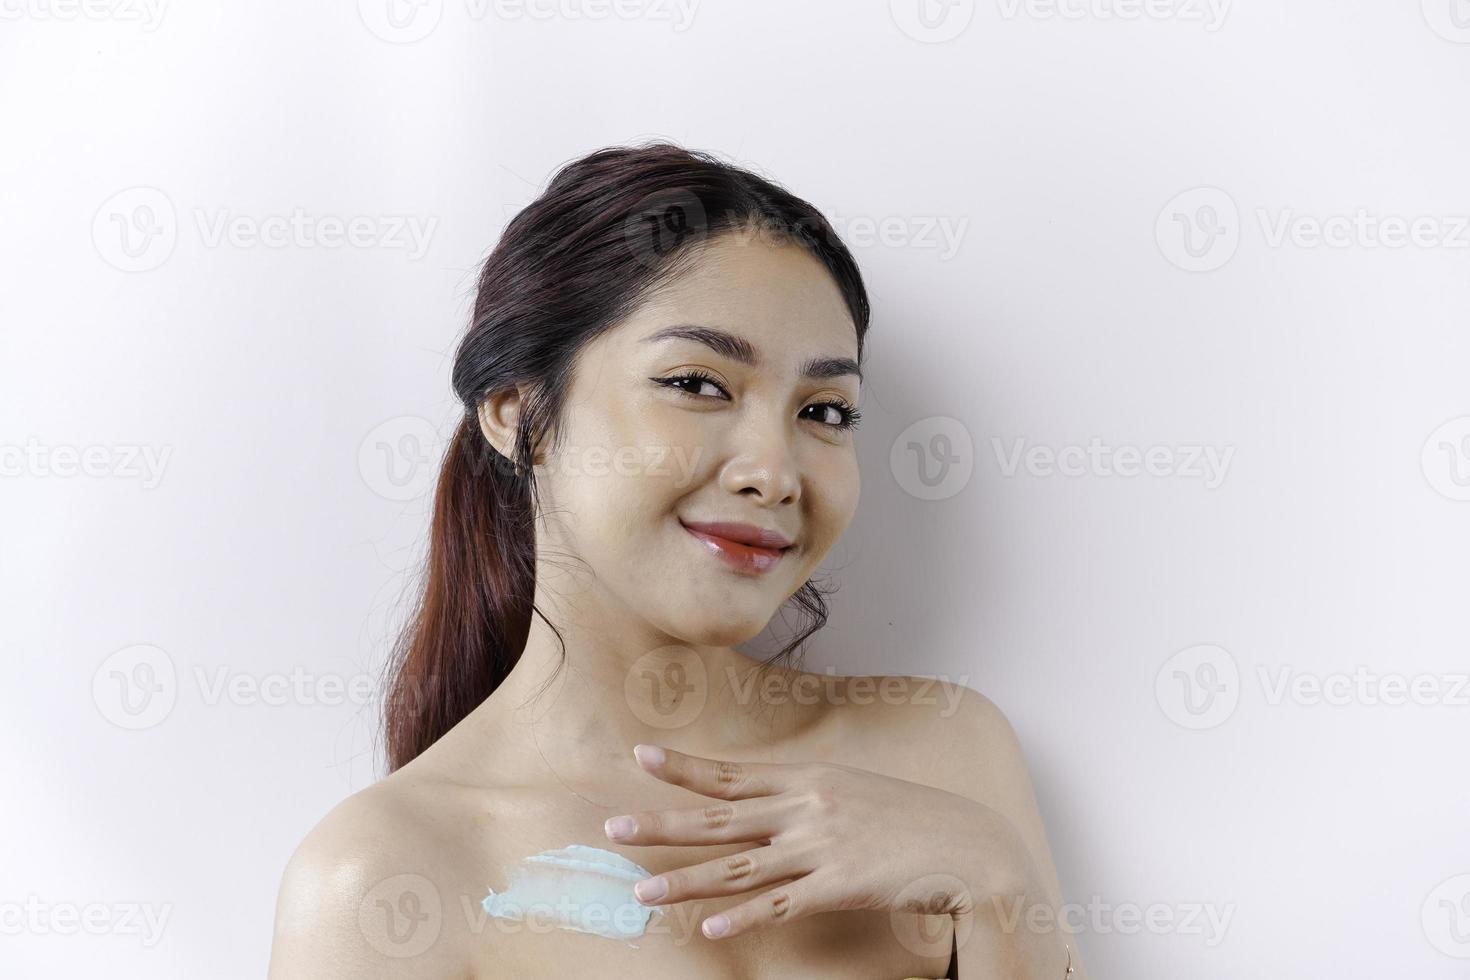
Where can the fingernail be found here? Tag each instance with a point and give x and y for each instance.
(618, 827)
(651, 889)
(716, 926)
(649, 755)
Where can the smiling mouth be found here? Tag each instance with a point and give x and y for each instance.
(738, 555)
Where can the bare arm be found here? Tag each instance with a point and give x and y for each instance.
(353, 904)
(1022, 933)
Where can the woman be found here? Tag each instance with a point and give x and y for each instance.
(665, 356)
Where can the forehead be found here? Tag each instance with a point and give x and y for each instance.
(775, 294)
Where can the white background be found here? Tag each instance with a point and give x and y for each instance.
(1055, 142)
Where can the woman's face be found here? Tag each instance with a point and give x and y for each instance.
(756, 438)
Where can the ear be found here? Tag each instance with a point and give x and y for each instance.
(499, 415)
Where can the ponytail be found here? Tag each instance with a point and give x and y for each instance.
(474, 613)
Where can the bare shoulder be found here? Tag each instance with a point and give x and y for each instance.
(948, 733)
(952, 737)
(367, 892)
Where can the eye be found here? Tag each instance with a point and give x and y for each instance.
(835, 414)
(696, 380)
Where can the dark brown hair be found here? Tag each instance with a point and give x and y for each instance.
(609, 229)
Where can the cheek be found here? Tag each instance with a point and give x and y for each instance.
(835, 486)
(831, 502)
(665, 451)
(622, 467)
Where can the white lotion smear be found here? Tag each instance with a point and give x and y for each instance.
(585, 889)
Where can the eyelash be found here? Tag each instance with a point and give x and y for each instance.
(851, 417)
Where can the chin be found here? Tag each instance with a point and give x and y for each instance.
(725, 632)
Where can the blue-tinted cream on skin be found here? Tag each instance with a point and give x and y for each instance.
(584, 889)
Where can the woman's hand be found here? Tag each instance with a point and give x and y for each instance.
(845, 838)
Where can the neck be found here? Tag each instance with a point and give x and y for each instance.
(624, 683)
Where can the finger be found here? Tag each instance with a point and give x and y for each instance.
(784, 903)
(719, 823)
(732, 874)
(719, 778)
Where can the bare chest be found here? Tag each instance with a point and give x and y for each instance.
(515, 825)
(844, 944)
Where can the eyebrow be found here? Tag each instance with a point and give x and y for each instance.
(726, 344)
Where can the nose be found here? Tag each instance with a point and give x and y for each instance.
(763, 465)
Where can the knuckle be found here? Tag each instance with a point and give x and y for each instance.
(822, 798)
(935, 902)
(718, 816)
(780, 904)
(738, 868)
(729, 774)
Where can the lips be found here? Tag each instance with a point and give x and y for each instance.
(744, 547)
